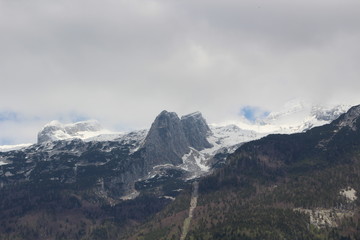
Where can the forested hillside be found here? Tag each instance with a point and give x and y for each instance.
(299, 186)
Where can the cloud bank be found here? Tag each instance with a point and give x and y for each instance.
(122, 62)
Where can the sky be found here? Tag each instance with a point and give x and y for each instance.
(124, 61)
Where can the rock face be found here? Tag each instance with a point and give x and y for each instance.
(166, 141)
(169, 138)
(196, 130)
(328, 114)
(46, 134)
(64, 155)
(350, 118)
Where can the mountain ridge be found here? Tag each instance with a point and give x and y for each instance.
(121, 179)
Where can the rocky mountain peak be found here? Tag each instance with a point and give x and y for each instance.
(166, 141)
(170, 137)
(165, 119)
(196, 130)
(196, 114)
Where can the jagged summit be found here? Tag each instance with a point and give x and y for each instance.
(196, 130)
(178, 142)
(196, 114)
(166, 141)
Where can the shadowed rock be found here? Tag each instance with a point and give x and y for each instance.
(166, 142)
(196, 130)
(170, 138)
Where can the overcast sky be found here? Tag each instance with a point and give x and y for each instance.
(123, 61)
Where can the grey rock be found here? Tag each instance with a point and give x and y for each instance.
(350, 118)
(117, 163)
(166, 142)
(46, 134)
(169, 138)
(196, 130)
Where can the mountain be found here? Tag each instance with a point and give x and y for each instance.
(295, 116)
(166, 141)
(175, 142)
(196, 131)
(65, 154)
(7, 148)
(91, 177)
(186, 145)
(55, 131)
(283, 186)
(83, 182)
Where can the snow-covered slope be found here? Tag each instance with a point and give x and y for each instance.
(295, 116)
(8, 148)
(229, 136)
(204, 147)
(84, 130)
(87, 131)
(226, 138)
(298, 116)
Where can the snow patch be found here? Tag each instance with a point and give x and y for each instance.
(8, 148)
(228, 136)
(131, 196)
(169, 197)
(195, 158)
(3, 163)
(8, 174)
(55, 131)
(195, 163)
(295, 116)
(196, 114)
(168, 165)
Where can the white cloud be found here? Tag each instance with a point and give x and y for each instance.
(122, 62)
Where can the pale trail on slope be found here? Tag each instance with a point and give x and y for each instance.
(193, 203)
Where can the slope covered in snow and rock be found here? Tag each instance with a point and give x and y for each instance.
(55, 131)
(295, 116)
(189, 143)
(98, 167)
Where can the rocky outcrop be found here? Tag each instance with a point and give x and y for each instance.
(47, 133)
(170, 137)
(166, 142)
(349, 119)
(196, 130)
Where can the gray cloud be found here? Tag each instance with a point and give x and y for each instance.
(122, 62)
